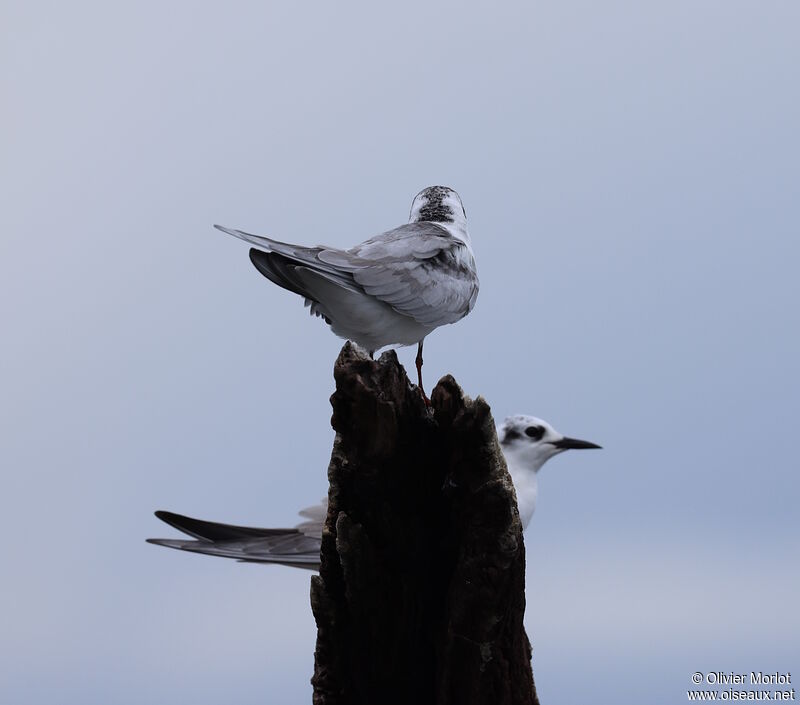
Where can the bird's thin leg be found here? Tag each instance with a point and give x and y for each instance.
(419, 372)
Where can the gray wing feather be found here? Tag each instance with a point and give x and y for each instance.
(418, 269)
(315, 519)
(299, 546)
(289, 258)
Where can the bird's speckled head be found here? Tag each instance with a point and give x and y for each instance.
(532, 442)
(438, 204)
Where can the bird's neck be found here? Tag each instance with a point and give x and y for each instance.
(526, 488)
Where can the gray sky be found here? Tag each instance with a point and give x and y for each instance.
(631, 176)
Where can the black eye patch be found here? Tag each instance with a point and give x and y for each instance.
(510, 435)
(535, 432)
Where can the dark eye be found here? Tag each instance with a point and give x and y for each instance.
(535, 432)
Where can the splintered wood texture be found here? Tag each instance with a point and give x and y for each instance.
(421, 591)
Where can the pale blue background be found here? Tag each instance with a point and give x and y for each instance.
(630, 173)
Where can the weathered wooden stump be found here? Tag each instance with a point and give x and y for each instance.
(421, 591)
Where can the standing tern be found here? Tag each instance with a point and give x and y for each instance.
(527, 443)
(393, 289)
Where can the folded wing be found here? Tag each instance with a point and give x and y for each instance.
(419, 269)
(298, 547)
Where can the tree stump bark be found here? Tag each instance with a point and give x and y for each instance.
(421, 591)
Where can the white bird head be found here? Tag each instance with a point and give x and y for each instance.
(438, 204)
(528, 443)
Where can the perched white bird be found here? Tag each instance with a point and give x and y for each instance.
(527, 443)
(393, 289)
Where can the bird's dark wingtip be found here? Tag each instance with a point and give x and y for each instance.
(177, 521)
